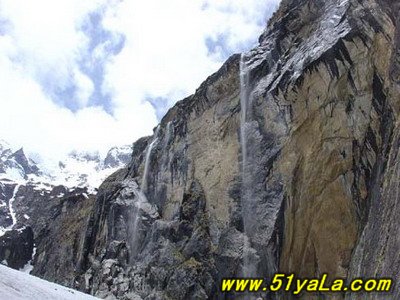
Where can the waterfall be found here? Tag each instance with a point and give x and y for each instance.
(143, 186)
(244, 103)
(167, 134)
(12, 211)
(142, 203)
(250, 257)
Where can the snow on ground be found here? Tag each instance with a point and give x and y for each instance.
(15, 285)
(12, 212)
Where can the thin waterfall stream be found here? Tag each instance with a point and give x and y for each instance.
(249, 268)
(141, 196)
(143, 186)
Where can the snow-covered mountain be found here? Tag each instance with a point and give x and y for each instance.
(81, 169)
(15, 165)
(78, 169)
(23, 181)
(33, 195)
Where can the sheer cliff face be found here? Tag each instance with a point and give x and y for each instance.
(341, 121)
(285, 159)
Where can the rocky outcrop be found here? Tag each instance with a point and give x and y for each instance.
(49, 231)
(16, 164)
(16, 248)
(118, 156)
(29, 166)
(60, 241)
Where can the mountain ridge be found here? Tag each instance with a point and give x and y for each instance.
(29, 196)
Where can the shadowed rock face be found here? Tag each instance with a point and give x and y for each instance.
(318, 191)
(53, 222)
(16, 247)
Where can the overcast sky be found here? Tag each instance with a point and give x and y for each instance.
(88, 75)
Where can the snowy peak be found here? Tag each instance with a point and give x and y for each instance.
(16, 166)
(28, 165)
(118, 156)
(28, 190)
(78, 169)
(3, 146)
(85, 156)
(83, 169)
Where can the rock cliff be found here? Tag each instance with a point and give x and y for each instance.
(286, 160)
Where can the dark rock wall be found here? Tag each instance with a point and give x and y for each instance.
(16, 248)
(50, 231)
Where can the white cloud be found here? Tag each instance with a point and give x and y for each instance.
(165, 53)
(46, 36)
(31, 119)
(44, 49)
(85, 87)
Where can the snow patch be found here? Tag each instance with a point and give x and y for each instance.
(12, 212)
(11, 208)
(16, 285)
(79, 171)
(15, 174)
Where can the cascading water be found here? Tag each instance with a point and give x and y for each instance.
(143, 186)
(249, 268)
(244, 102)
(142, 201)
(167, 134)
